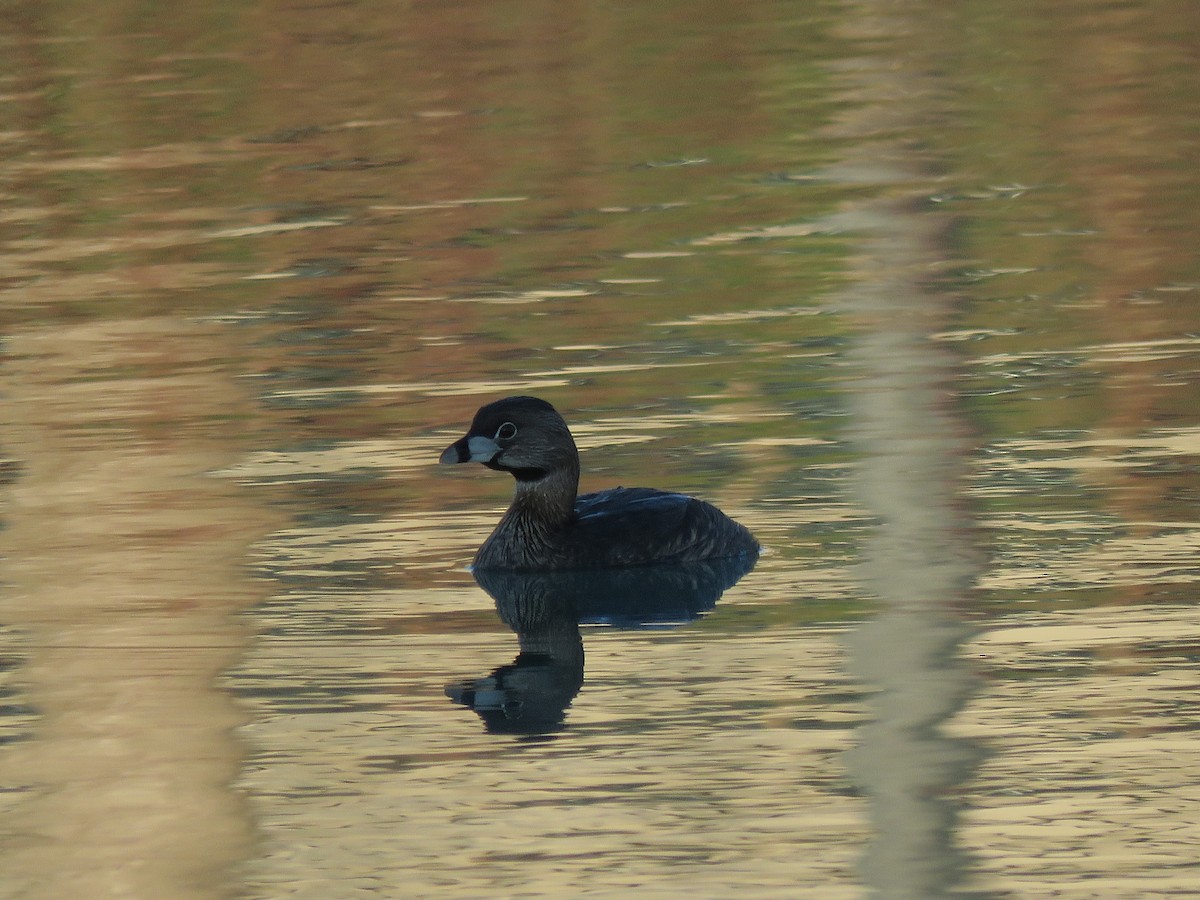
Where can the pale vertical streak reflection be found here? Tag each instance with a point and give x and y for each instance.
(917, 562)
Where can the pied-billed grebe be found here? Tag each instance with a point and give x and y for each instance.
(549, 527)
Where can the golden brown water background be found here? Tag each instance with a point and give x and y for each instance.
(912, 290)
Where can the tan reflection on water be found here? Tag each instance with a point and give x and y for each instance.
(651, 777)
(1095, 765)
(123, 572)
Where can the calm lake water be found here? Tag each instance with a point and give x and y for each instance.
(912, 290)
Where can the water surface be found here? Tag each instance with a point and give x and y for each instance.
(911, 292)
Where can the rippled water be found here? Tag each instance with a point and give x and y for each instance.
(911, 291)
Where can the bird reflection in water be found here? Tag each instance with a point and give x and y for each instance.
(531, 694)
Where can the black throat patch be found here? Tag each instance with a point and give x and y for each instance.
(521, 473)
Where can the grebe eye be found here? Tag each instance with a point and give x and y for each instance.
(506, 432)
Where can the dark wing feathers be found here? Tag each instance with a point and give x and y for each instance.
(633, 526)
